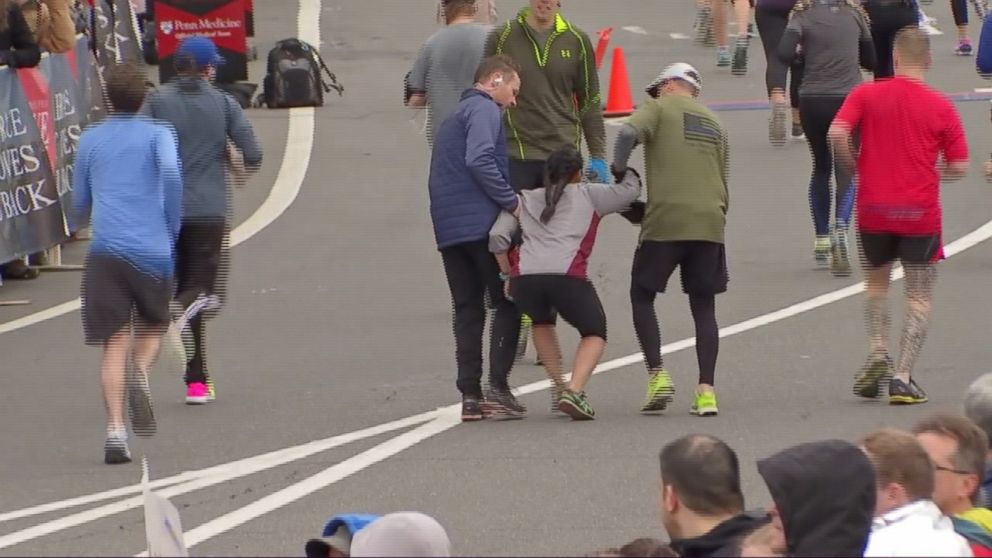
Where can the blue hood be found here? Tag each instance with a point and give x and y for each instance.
(354, 522)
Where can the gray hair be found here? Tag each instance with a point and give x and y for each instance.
(978, 403)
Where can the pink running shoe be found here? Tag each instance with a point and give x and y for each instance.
(197, 394)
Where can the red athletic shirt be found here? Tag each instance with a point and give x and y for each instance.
(904, 125)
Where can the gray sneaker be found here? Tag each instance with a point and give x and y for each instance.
(139, 402)
(840, 265)
(115, 450)
(776, 124)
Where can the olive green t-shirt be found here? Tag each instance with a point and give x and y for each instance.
(686, 158)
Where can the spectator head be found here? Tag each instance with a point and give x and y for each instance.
(402, 534)
(700, 485)
(336, 538)
(545, 12)
(197, 55)
(499, 76)
(911, 49)
(454, 9)
(978, 404)
(126, 87)
(903, 470)
(824, 498)
(638, 548)
(957, 447)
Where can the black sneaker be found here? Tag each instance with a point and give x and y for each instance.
(501, 404)
(869, 380)
(139, 401)
(471, 408)
(738, 66)
(901, 393)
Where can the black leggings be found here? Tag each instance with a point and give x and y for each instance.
(771, 25)
(886, 21)
(817, 114)
(959, 9)
(200, 268)
(648, 331)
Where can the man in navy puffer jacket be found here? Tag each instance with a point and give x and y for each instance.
(469, 187)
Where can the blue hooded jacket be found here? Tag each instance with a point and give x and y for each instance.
(983, 60)
(354, 522)
(470, 172)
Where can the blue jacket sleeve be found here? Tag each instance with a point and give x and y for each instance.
(170, 173)
(482, 132)
(984, 58)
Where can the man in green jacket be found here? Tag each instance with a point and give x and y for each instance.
(559, 99)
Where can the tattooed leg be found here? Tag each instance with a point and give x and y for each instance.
(920, 280)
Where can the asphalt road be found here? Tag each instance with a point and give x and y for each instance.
(339, 320)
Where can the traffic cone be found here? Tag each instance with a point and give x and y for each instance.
(604, 41)
(620, 102)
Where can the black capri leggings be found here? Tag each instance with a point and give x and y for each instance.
(886, 21)
(541, 296)
(771, 25)
(959, 9)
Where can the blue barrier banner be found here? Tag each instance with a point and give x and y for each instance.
(44, 112)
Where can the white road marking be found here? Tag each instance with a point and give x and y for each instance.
(637, 30)
(983, 90)
(679, 36)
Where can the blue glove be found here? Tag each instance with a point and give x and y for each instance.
(598, 171)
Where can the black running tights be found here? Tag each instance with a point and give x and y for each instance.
(771, 25)
(648, 331)
(886, 21)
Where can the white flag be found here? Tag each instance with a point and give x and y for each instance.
(163, 529)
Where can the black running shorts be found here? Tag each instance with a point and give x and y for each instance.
(702, 266)
(540, 296)
(879, 249)
(113, 289)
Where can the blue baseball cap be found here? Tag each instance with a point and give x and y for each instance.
(201, 50)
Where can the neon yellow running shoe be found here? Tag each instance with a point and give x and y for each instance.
(661, 391)
(705, 405)
(211, 392)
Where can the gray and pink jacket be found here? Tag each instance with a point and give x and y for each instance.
(563, 245)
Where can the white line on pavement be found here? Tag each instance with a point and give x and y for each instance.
(637, 30)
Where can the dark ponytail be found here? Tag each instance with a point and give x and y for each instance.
(563, 164)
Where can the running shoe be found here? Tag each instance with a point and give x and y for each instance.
(840, 265)
(964, 48)
(822, 249)
(471, 409)
(797, 132)
(901, 393)
(576, 405)
(139, 402)
(661, 392)
(738, 66)
(776, 124)
(197, 394)
(723, 58)
(868, 381)
(705, 405)
(115, 450)
(501, 404)
(211, 390)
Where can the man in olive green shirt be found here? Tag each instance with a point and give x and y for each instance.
(559, 99)
(683, 222)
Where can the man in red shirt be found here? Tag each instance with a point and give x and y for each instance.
(904, 126)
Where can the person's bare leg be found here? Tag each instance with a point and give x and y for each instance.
(920, 280)
(742, 13)
(147, 340)
(718, 8)
(549, 351)
(586, 358)
(112, 376)
(877, 317)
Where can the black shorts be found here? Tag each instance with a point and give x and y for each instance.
(114, 290)
(526, 174)
(201, 258)
(542, 296)
(879, 249)
(702, 265)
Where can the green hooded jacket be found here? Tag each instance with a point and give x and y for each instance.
(559, 98)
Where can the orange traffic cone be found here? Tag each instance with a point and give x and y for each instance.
(620, 102)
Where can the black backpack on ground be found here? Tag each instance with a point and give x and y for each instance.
(293, 76)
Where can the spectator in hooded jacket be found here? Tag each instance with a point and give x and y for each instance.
(958, 447)
(824, 498)
(402, 534)
(907, 521)
(978, 407)
(51, 22)
(335, 541)
(702, 506)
